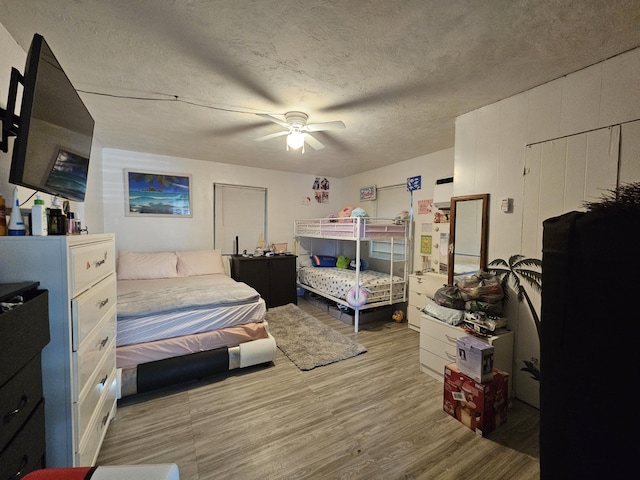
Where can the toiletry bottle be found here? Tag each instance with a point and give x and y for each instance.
(57, 220)
(39, 225)
(16, 225)
(3, 216)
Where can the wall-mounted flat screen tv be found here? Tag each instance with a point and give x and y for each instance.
(53, 145)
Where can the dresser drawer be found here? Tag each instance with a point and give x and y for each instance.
(89, 264)
(440, 330)
(89, 445)
(444, 350)
(90, 307)
(24, 331)
(95, 391)
(432, 364)
(98, 344)
(26, 452)
(18, 398)
(418, 299)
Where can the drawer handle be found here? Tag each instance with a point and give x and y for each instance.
(24, 401)
(102, 303)
(23, 464)
(452, 357)
(105, 419)
(103, 342)
(451, 339)
(104, 380)
(97, 263)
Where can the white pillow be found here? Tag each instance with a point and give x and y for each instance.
(199, 262)
(145, 266)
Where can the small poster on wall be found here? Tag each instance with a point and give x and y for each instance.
(321, 190)
(425, 206)
(368, 193)
(425, 244)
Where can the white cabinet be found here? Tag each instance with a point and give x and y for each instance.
(438, 347)
(421, 289)
(440, 247)
(79, 373)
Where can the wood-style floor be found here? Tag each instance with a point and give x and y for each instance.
(375, 416)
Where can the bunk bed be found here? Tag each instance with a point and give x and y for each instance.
(181, 317)
(357, 287)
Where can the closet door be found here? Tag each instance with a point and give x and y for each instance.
(239, 211)
(630, 153)
(560, 175)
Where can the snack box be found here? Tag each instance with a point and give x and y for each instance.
(480, 406)
(475, 358)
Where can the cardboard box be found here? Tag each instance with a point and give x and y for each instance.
(480, 406)
(475, 358)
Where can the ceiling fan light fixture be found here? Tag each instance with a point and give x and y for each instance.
(295, 140)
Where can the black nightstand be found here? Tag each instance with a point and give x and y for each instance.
(273, 277)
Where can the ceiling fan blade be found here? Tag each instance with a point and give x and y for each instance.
(318, 127)
(274, 120)
(388, 94)
(270, 136)
(312, 142)
(232, 129)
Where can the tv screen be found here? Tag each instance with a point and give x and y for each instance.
(53, 145)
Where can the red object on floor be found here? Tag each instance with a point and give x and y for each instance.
(77, 473)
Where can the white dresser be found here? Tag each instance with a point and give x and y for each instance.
(421, 289)
(78, 365)
(438, 347)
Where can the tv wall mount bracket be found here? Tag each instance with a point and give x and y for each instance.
(10, 121)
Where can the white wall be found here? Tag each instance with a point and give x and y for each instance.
(285, 193)
(90, 212)
(430, 167)
(490, 156)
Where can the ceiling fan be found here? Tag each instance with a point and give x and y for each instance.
(298, 131)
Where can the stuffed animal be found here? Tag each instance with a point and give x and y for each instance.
(345, 213)
(363, 294)
(398, 316)
(401, 217)
(358, 212)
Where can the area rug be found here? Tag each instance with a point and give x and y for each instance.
(306, 341)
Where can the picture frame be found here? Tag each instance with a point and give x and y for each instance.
(150, 194)
(368, 193)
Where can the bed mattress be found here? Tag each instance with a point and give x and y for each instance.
(129, 356)
(337, 282)
(180, 320)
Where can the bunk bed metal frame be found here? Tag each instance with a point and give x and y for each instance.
(358, 230)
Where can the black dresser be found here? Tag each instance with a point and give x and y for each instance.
(24, 331)
(273, 277)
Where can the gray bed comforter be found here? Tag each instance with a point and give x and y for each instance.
(179, 298)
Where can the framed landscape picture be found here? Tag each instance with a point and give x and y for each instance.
(157, 194)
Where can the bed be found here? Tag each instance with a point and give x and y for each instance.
(181, 317)
(357, 285)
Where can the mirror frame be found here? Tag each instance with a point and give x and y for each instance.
(483, 234)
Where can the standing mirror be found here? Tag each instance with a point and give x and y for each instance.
(468, 235)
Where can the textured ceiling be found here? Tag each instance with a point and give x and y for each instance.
(187, 78)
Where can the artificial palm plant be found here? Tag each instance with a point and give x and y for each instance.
(516, 270)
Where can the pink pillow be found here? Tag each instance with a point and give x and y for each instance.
(199, 262)
(146, 266)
